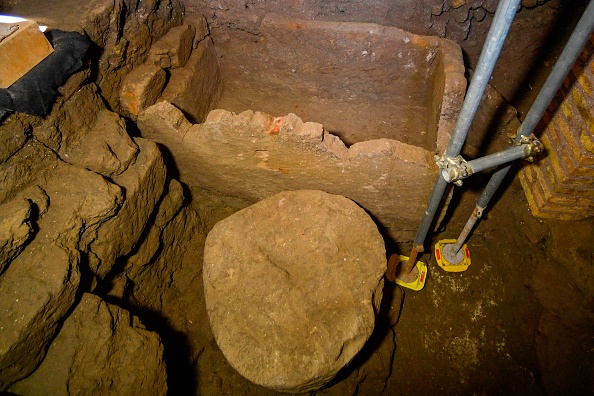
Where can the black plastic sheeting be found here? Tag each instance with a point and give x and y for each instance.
(35, 92)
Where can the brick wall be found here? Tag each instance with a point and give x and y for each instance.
(561, 184)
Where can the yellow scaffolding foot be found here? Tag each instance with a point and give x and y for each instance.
(450, 259)
(415, 280)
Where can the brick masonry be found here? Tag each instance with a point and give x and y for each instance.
(561, 185)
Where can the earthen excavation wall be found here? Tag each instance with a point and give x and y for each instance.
(392, 96)
(76, 194)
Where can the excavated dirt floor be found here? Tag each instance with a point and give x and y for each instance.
(516, 322)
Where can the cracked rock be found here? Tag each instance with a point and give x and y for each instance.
(144, 182)
(101, 349)
(113, 149)
(15, 229)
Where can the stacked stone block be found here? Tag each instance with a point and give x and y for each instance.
(561, 185)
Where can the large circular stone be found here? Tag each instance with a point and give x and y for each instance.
(292, 285)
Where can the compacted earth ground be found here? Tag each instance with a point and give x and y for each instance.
(518, 321)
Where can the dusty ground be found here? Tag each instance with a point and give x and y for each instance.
(517, 322)
(474, 332)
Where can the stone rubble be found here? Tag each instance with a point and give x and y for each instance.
(101, 349)
(182, 69)
(71, 185)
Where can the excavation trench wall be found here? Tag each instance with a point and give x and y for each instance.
(361, 81)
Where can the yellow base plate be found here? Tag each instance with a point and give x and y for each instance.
(445, 264)
(419, 282)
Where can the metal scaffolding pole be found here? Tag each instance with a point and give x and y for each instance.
(574, 46)
(504, 15)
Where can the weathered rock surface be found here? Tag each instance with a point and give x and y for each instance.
(13, 136)
(15, 229)
(38, 287)
(28, 166)
(84, 202)
(70, 117)
(36, 291)
(141, 88)
(174, 49)
(197, 87)
(100, 349)
(112, 148)
(53, 210)
(292, 284)
(254, 156)
(199, 22)
(143, 183)
(169, 206)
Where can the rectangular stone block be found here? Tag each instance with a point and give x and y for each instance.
(196, 88)
(141, 88)
(253, 155)
(362, 81)
(173, 49)
(22, 47)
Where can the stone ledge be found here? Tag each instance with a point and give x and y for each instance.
(253, 155)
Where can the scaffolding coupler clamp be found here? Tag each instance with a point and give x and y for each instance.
(453, 170)
(532, 145)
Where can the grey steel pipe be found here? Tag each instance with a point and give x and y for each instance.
(504, 15)
(573, 47)
(476, 214)
(494, 183)
(500, 158)
(575, 44)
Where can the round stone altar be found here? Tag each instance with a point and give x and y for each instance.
(292, 284)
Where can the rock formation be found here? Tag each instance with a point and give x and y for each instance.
(98, 240)
(100, 349)
(77, 192)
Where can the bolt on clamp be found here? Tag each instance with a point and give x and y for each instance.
(532, 146)
(453, 170)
